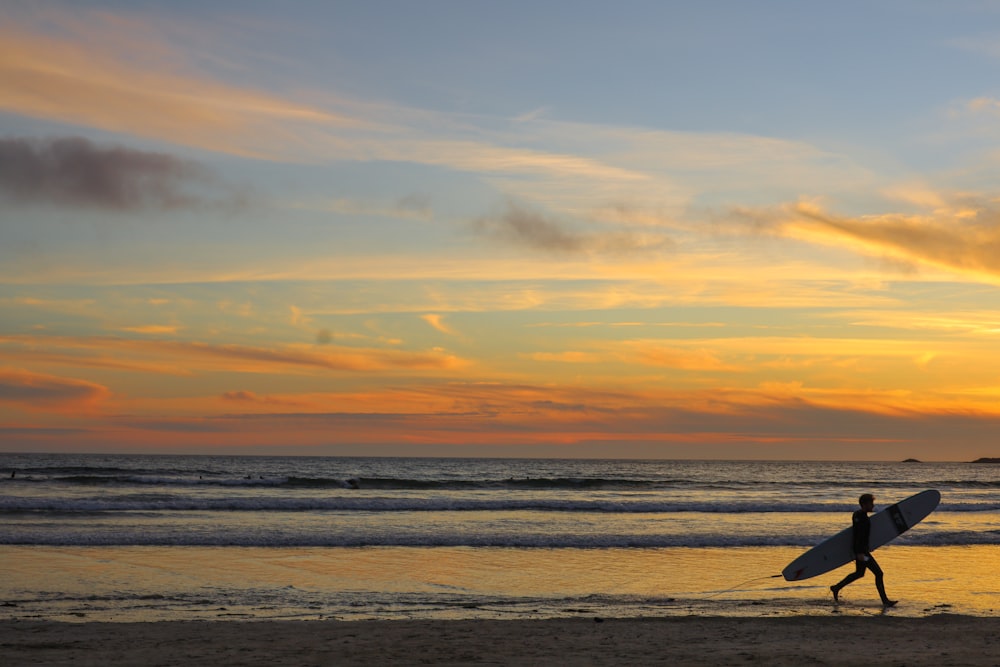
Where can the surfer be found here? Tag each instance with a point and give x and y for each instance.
(863, 559)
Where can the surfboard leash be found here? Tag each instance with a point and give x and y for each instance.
(740, 585)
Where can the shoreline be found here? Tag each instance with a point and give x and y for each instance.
(690, 640)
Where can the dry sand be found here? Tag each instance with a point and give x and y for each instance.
(801, 640)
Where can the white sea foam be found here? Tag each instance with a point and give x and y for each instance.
(288, 501)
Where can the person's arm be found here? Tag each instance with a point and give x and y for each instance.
(862, 530)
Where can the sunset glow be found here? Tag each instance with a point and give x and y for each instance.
(502, 229)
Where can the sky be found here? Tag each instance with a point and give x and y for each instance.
(716, 229)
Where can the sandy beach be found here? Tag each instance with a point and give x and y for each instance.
(936, 640)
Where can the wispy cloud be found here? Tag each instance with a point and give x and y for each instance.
(567, 357)
(656, 353)
(458, 413)
(153, 329)
(147, 355)
(249, 397)
(982, 323)
(84, 68)
(437, 321)
(412, 206)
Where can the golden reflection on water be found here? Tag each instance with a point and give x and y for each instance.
(733, 581)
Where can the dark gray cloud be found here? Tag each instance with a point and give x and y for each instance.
(520, 226)
(72, 171)
(415, 204)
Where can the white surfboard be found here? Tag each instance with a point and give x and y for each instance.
(887, 525)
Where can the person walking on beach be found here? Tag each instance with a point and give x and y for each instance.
(863, 559)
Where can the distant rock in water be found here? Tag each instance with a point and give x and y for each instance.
(986, 459)
(912, 461)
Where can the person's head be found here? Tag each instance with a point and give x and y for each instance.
(867, 501)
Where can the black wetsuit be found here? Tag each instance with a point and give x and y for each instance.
(862, 534)
(862, 531)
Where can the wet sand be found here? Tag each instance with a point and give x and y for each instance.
(797, 640)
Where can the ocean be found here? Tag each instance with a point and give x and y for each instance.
(135, 537)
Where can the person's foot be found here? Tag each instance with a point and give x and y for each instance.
(836, 594)
(889, 603)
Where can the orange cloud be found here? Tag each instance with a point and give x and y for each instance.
(437, 321)
(654, 353)
(963, 236)
(153, 329)
(250, 398)
(568, 357)
(47, 392)
(463, 415)
(532, 419)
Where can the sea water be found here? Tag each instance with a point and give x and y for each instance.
(130, 537)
